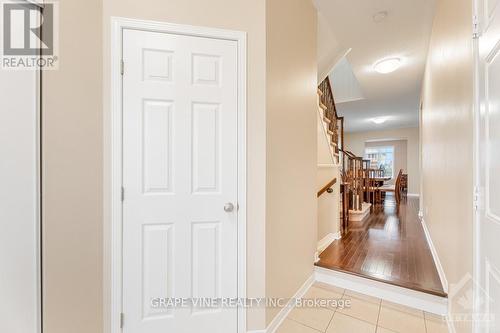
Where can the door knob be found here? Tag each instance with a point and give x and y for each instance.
(228, 207)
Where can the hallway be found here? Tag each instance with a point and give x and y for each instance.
(390, 247)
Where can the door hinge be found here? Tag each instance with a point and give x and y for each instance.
(122, 316)
(477, 199)
(122, 67)
(475, 27)
(123, 193)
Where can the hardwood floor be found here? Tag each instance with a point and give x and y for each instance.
(390, 247)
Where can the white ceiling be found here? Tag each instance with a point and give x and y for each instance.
(404, 33)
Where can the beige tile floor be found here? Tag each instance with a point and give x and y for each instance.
(365, 315)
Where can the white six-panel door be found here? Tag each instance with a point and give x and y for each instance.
(180, 180)
(488, 168)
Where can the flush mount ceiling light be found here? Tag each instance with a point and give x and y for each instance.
(379, 120)
(380, 16)
(387, 65)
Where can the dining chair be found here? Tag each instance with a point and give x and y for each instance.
(404, 183)
(396, 188)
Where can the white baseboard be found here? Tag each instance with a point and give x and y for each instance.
(413, 195)
(257, 331)
(388, 292)
(327, 240)
(359, 215)
(435, 256)
(280, 317)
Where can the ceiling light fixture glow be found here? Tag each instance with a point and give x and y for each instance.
(387, 65)
(379, 120)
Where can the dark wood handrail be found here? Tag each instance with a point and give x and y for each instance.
(327, 186)
(349, 153)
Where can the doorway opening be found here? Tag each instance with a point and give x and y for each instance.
(369, 104)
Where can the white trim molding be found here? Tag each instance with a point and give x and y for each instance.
(113, 308)
(415, 299)
(327, 240)
(280, 317)
(328, 166)
(415, 195)
(38, 3)
(435, 256)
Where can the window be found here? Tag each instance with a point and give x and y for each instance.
(381, 158)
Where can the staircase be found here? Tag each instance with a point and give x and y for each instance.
(333, 128)
(333, 124)
(353, 169)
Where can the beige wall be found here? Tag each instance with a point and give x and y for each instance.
(447, 125)
(355, 142)
(291, 146)
(72, 174)
(76, 111)
(76, 153)
(328, 203)
(244, 15)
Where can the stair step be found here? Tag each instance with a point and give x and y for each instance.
(320, 93)
(326, 119)
(323, 106)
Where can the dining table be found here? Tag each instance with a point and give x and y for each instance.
(381, 180)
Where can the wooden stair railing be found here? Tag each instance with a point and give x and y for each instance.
(335, 124)
(356, 175)
(327, 187)
(344, 204)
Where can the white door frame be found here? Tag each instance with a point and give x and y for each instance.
(476, 109)
(114, 186)
(480, 22)
(33, 194)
